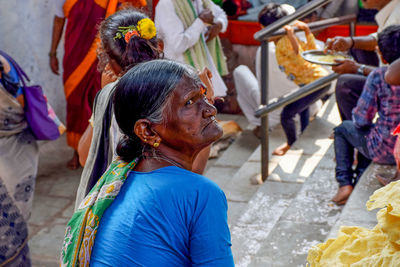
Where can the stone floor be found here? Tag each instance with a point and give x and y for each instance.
(53, 202)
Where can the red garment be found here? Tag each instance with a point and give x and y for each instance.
(81, 78)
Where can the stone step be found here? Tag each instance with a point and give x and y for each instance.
(355, 212)
(292, 210)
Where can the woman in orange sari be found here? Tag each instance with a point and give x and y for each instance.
(80, 75)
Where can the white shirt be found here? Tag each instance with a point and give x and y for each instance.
(389, 15)
(177, 40)
(59, 10)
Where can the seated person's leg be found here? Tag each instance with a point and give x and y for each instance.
(289, 127)
(363, 163)
(365, 57)
(304, 119)
(287, 118)
(248, 93)
(348, 137)
(348, 89)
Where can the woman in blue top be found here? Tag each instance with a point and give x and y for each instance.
(164, 214)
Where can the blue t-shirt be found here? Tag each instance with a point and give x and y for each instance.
(166, 217)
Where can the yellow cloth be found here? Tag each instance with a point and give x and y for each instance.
(296, 68)
(360, 247)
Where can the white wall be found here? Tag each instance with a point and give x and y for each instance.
(25, 34)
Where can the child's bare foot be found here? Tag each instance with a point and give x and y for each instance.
(281, 150)
(73, 163)
(342, 194)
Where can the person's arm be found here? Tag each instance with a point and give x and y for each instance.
(173, 32)
(84, 145)
(292, 38)
(340, 43)
(352, 67)
(367, 105)
(309, 36)
(219, 16)
(58, 26)
(213, 31)
(220, 22)
(392, 75)
(209, 236)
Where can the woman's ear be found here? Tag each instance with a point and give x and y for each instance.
(143, 129)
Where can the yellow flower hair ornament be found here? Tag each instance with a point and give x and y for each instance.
(145, 29)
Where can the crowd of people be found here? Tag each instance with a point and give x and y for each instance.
(141, 120)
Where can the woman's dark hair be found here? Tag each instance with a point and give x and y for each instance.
(142, 93)
(125, 54)
(271, 13)
(389, 43)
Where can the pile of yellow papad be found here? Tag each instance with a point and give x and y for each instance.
(358, 246)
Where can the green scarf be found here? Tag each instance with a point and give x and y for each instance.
(82, 228)
(196, 56)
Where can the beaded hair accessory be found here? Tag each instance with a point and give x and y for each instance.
(145, 29)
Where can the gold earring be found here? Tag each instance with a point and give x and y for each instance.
(155, 145)
(145, 140)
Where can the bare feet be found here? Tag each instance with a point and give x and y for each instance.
(281, 150)
(73, 163)
(257, 132)
(385, 180)
(342, 194)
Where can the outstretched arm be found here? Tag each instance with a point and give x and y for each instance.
(292, 38)
(339, 43)
(309, 36)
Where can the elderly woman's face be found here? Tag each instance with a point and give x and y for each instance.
(189, 119)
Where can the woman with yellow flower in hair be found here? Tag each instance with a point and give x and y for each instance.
(81, 77)
(128, 37)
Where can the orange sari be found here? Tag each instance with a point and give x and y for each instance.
(81, 78)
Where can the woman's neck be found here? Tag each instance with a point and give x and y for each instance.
(152, 161)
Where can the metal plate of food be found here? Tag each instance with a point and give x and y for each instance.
(322, 58)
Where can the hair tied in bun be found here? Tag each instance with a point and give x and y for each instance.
(145, 29)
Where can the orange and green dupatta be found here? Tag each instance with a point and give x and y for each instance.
(82, 228)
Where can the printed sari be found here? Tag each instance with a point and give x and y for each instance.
(18, 168)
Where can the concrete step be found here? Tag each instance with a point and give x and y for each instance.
(227, 165)
(355, 212)
(291, 211)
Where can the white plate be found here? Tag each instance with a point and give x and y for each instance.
(317, 57)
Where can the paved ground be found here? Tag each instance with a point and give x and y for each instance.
(53, 202)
